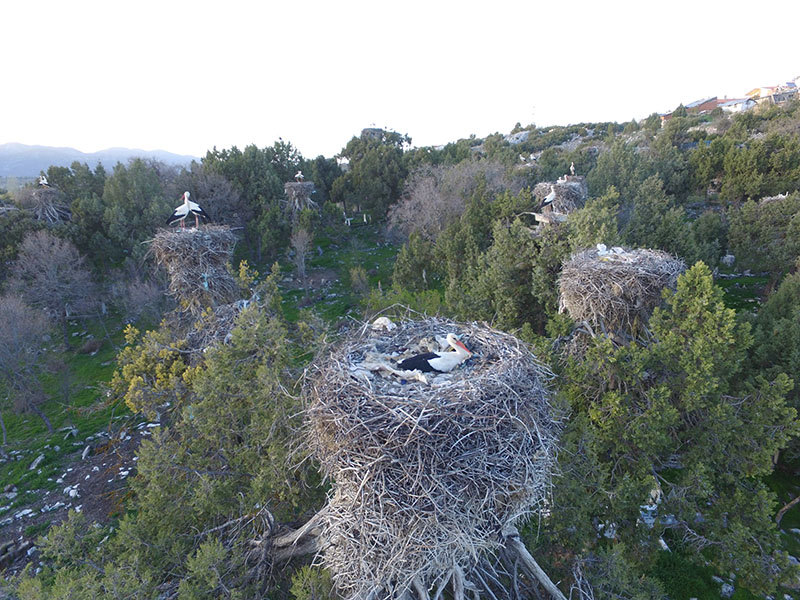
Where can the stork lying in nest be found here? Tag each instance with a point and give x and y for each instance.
(451, 354)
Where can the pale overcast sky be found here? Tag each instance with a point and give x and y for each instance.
(187, 76)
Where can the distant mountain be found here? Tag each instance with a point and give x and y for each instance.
(20, 160)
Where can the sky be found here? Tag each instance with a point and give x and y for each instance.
(189, 76)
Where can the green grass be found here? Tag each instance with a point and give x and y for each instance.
(786, 487)
(743, 293)
(35, 530)
(73, 384)
(360, 247)
(683, 579)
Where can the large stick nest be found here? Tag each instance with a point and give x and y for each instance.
(47, 204)
(426, 477)
(617, 290)
(196, 261)
(570, 195)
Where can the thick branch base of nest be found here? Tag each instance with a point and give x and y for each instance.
(510, 573)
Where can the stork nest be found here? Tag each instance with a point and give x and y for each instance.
(196, 261)
(426, 478)
(47, 204)
(570, 196)
(616, 292)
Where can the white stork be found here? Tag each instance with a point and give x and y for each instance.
(572, 169)
(180, 213)
(43, 181)
(442, 362)
(549, 198)
(299, 176)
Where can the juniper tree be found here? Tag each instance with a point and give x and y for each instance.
(676, 423)
(214, 480)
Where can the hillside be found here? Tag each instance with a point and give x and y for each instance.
(21, 160)
(156, 404)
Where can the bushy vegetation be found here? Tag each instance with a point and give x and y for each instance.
(691, 420)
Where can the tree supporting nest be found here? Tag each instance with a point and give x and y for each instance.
(429, 480)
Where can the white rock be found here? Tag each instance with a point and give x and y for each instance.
(36, 462)
(727, 590)
(728, 260)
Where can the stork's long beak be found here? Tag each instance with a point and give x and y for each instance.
(463, 346)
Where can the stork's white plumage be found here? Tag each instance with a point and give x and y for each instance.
(572, 169)
(183, 211)
(299, 176)
(602, 249)
(43, 181)
(549, 198)
(443, 362)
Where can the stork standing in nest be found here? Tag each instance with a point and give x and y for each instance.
(549, 198)
(441, 362)
(180, 213)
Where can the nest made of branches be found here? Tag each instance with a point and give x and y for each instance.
(426, 476)
(196, 261)
(46, 203)
(298, 194)
(616, 291)
(570, 196)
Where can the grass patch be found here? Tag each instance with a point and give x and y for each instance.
(73, 385)
(359, 247)
(743, 293)
(683, 579)
(38, 529)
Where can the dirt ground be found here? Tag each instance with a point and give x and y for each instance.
(95, 485)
